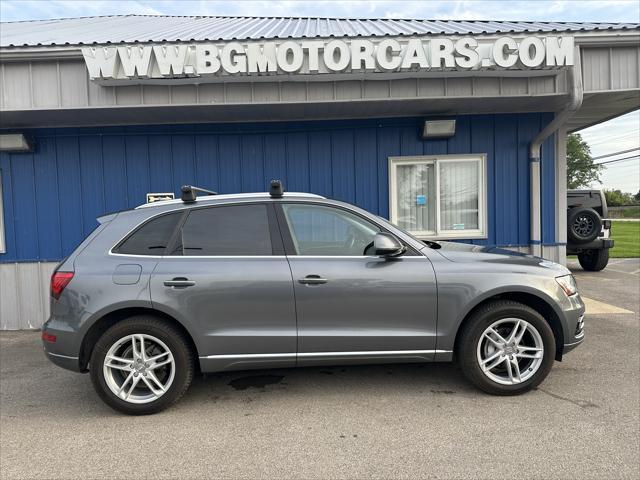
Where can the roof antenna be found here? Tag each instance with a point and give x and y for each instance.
(189, 193)
(276, 190)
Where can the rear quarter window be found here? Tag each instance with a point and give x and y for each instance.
(152, 238)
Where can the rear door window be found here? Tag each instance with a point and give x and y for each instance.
(152, 238)
(234, 230)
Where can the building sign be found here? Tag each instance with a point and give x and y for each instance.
(159, 197)
(212, 61)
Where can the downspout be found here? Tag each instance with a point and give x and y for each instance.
(574, 75)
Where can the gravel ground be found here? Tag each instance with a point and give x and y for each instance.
(400, 421)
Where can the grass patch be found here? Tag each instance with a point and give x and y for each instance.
(627, 239)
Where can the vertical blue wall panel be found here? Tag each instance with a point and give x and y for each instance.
(24, 212)
(230, 153)
(70, 188)
(297, 162)
(482, 142)
(53, 195)
(115, 173)
(46, 185)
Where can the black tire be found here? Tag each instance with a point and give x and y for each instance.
(172, 337)
(594, 260)
(484, 317)
(583, 225)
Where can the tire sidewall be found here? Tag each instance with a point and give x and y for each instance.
(594, 260)
(182, 364)
(474, 333)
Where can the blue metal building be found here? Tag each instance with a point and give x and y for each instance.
(101, 119)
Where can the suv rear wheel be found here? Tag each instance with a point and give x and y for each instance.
(507, 348)
(594, 260)
(141, 365)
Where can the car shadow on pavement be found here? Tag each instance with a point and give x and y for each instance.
(312, 383)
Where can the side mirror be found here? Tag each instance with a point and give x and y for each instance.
(386, 245)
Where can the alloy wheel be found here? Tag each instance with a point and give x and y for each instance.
(510, 351)
(139, 368)
(583, 225)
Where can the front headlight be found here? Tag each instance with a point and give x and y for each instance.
(568, 284)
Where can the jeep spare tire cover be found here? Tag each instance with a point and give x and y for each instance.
(584, 224)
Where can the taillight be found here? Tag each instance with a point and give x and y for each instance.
(59, 280)
(47, 337)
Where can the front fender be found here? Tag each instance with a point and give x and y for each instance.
(456, 300)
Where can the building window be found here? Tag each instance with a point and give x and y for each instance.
(439, 196)
(3, 247)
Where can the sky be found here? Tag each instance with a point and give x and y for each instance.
(613, 136)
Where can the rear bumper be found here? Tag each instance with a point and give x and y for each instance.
(69, 363)
(597, 244)
(65, 350)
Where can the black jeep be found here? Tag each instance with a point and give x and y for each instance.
(588, 228)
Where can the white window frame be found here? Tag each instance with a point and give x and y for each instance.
(3, 245)
(438, 160)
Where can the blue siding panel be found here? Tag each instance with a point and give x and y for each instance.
(46, 184)
(69, 186)
(230, 178)
(79, 174)
(183, 156)
(320, 163)
(160, 164)
(275, 161)
(92, 191)
(343, 165)
(297, 162)
(115, 174)
(482, 142)
(24, 212)
(506, 175)
(207, 164)
(252, 164)
(366, 172)
(137, 161)
(388, 146)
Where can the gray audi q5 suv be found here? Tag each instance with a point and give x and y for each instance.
(231, 282)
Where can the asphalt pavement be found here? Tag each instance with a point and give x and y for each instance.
(399, 421)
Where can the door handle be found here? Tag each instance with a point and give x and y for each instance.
(179, 282)
(312, 280)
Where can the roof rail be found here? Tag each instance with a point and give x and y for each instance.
(189, 193)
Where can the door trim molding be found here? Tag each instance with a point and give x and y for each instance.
(373, 353)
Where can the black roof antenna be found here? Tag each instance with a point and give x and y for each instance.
(276, 190)
(189, 193)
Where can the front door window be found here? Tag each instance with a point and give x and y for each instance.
(318, 230)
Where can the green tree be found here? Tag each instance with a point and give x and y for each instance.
(637, 197)
(581, 170)
(618, 198)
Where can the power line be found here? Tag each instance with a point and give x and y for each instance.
(613, 139)
(618, 160)
(616, 153)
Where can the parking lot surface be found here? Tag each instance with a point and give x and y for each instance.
(399, 421)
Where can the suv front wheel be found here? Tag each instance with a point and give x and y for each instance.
(141, 365)
(506, 348)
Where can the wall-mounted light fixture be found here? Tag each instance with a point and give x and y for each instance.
(434, 129)
(14, 142)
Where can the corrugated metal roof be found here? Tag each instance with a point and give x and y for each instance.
(150, 28)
